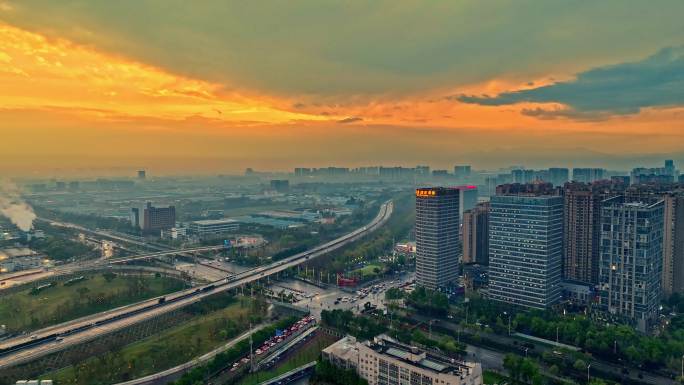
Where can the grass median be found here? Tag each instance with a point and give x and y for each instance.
(34, 308)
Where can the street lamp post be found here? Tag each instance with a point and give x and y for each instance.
(509, 322)
(588, 366)
(556, 334)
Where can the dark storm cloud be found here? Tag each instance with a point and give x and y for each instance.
(336, 49)
(657, 81)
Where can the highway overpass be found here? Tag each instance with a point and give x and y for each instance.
(54, 338)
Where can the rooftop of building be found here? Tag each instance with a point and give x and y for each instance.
(633, 202)
(420, 358)
(209, 222)
(15, 252)
(534, 189)
(428, 192)
(344, 349)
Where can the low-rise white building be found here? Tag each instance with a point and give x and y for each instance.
(213, 227)
(175, 233)
(385, 361)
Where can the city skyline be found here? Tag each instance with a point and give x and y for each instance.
(223, 86)
(341, 192)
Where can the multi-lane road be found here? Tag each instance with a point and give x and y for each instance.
(99, 263)
(58, 337)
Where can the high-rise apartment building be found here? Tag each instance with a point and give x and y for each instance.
(462, 171)
(476, 234)
(524, 176)
(135, 217)
(526, 246)
(643, 175)
(630, 267)
(582, 227)
(673, 244)
(280, 185)
(581, 235)
(422, 170)
(670, 168)
(673, 229)
(302, 171)
(587, 175)
(558, 176)
(437, 236)
(156, 219)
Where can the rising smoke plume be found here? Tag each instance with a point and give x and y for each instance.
(14, 208)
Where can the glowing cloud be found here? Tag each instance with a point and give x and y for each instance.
(55, 74)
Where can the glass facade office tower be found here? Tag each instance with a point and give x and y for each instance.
(437, 237)
(631, 260)
(526, 249)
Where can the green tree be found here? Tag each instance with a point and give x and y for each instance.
(554, 369)
(579, 365)
(512, 364)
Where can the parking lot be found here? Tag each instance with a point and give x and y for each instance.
(316, 299)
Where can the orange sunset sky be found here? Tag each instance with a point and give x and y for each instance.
(105, 87)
